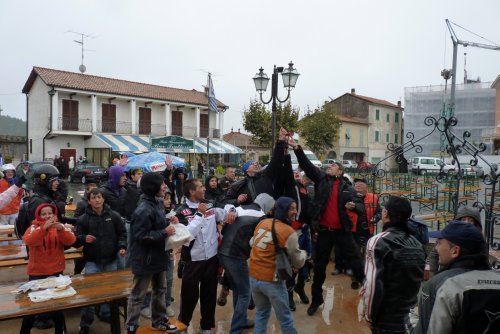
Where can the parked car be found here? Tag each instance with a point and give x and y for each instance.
(422, 165)
(309, 154)
(327, 162)
(365, 166)
(470, 170)
(349, 164)
(85, 173)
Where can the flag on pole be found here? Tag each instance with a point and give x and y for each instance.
(212, 102)
(1, 160)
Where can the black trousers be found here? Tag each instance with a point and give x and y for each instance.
(199, 281)
(327, 239)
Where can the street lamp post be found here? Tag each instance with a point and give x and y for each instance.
(261, 80)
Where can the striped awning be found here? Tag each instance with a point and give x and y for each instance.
(217, 146)
(126, 143)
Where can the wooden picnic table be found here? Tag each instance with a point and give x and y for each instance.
(15, 255)
(109, 287)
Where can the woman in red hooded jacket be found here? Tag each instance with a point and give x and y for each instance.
(45, 239)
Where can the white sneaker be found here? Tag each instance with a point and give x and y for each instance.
(170, 311)
(146, 313)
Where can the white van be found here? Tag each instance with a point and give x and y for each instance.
(423, 165)
(309, 154)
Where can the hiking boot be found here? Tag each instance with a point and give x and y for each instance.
(355, 285)
(313, 307)
(291, 302)
(302, 294)
(165, 326)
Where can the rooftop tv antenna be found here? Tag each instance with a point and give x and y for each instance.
(82, 67)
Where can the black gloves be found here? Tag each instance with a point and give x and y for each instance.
(20, 181)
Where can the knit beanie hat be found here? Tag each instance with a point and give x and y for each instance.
(151, 183)
(469, 211)
(281, 210)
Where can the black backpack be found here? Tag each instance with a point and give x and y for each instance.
(419, 230)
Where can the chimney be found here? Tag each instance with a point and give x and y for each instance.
(232, 130)
(353, 91)
(206, 90)
(239, 130)
(399, 104)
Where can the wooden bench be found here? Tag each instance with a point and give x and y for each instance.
(15, 255)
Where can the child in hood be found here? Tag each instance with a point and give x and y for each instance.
(45, 239)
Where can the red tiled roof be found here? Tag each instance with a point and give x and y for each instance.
(92, 83)
(349, 119)
(376, 101)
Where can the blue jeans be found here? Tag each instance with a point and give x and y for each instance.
(87, 313)
(275, 295)
(236, 271)
(169, 273)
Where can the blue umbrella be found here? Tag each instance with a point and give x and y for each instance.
(152, 162)
(128, 154)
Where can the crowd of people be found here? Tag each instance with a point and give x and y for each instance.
(238, 227)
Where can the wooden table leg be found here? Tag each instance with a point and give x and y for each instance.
(115, 317)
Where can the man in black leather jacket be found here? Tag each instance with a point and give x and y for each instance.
(331, 223)
(394, 269)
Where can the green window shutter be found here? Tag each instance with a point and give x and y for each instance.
(395, 138)
(388, 118)
(396, 118)
(377, 114)
(387, 137)
(376, 136)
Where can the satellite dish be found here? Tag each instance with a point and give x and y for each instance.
(82, 68)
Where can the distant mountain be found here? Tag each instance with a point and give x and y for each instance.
(12, 126)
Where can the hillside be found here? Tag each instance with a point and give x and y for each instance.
(12, 126)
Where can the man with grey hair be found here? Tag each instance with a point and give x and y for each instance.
(234, 252)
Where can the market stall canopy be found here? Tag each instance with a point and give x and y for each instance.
(125, 143)
(217, 146)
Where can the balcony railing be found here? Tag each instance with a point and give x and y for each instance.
(74, 124)
(119, 127)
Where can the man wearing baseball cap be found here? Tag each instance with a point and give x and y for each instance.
(463, 297)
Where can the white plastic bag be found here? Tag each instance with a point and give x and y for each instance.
(181, 236)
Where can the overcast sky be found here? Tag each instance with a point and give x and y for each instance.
(378, 47)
